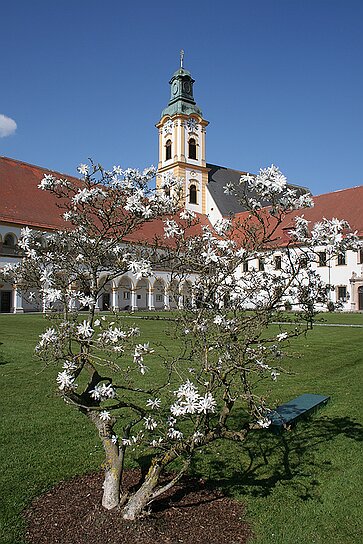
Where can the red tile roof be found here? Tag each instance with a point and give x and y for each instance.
(344, 204)
(23, 203)
(153, 231)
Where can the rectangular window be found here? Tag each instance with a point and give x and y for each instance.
(159, 298)
(342, 293)
(261, 265)
(126, 295)
(360, 256)
(138, 297)
(322, 258)
(245, 266)
(341, 259)
(278, 262)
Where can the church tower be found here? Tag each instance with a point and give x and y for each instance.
(182, 140)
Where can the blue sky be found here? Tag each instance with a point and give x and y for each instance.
(280, 81)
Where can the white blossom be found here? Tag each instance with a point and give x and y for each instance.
(47, 182)
(264, 422)
(83, 169)
(171, 229)
(105, 415)
(87, 195)
(150, 423)
(48, 337)
(84, 330)
(154, 404)
(198, 437)
(218, 320)
(67, 216)
(147, 212)
(206, 404)
(210, 256)
(140, 268)
(69, 365)
(46, 276)
(229, 188)
(65, 380)
(175, 434)
(222, 226)
(155, 443)
(187, 214)
(189, 401)
(117, 170)
(103, 392)
(113, 335)
(52, 295)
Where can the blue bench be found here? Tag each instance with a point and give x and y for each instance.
(287, 414)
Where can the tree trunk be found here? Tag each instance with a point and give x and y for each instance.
(113, 470)
(139, 500)
(112, 465)
(111, 488)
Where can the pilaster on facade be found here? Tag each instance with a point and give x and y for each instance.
(115, 299)
(151, 299)
(134, 306)
(17, 302)
(98, 302)
(166, 300)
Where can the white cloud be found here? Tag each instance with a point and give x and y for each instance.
(7, 126)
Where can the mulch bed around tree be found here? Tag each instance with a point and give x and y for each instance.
(71, 513)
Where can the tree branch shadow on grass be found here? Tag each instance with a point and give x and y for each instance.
(2, 359)
(295, 458)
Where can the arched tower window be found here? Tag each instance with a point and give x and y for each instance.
(192, 149)
(168, 150)
(192, 194)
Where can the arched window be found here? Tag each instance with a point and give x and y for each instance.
(8, 247)
(168, 150)
(43, 242)
(9, 240)
(192, 194)
(192, 149)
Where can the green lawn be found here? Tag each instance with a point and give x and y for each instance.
(303, 487)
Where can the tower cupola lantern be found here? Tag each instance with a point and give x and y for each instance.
(181, 92)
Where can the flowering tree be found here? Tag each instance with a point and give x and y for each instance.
(227, 350)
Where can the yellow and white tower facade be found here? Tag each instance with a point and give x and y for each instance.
(182, 132)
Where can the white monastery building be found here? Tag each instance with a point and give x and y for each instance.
(182, 153)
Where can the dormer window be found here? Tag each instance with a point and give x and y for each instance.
(192, 194)
(192, 149)
(168, 150)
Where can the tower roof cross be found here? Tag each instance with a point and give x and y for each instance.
(181, 58)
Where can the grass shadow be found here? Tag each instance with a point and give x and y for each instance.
(2, 359)
(297, 458)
